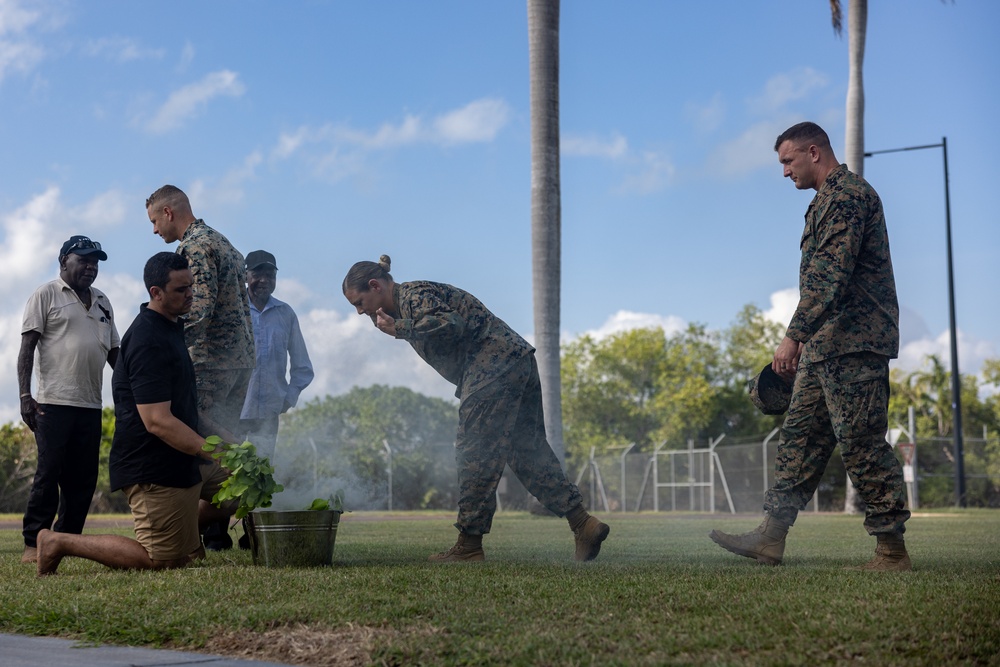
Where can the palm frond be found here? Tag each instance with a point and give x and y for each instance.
(836, 15)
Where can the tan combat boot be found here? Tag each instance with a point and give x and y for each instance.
(890, 555)
(766, 543)
(588, 533)
(467, 548)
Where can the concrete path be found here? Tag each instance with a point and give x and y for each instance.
(22, 651)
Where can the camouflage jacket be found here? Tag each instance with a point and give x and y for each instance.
(218, 331)
(456, 334)
(847, 292)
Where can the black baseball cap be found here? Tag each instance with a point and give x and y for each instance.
(769, 392)
(260, 258)
(81, 245)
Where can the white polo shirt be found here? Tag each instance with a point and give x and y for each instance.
(74, 343)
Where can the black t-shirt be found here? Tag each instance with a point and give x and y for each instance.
(153, 367)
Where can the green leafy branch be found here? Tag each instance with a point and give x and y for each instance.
(334, 502)
(250, 478)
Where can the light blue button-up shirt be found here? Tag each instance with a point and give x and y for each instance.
(281, 353)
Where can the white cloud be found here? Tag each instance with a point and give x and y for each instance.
(105, 210)
(33, 233)
(18, 57)
(289, 143)
(338, 164)
(476, 122)
(782, 89)
(121, 49)
(971, 352)
(15, 18)
(388, 135)
(645, 172)
(28, 247)
(614, 148)
(653, 173)
(625, 320)
(187, 101)
(20, 51)
(337, 151)
(125, 292)
(783, 304)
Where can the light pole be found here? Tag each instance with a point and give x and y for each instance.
(956, 379)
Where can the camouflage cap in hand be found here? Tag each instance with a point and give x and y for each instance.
(769, 392)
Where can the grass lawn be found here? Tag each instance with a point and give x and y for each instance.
(660, 593)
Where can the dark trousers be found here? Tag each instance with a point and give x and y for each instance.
(69, 445)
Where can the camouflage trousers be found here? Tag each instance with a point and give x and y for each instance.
(221, 394)
(502, 424)
(843, 400)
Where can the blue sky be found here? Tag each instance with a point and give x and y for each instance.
(330, 132)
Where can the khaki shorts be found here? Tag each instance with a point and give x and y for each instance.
(166, 518)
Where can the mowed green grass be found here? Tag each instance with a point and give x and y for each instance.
(660, 593)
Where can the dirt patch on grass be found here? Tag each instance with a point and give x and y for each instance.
(313, 646)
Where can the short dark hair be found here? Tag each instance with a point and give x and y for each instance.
(158, 268)
(802, 133)
(169, 194)
(359, 275)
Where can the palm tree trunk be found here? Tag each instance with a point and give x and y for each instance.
(543, 46)
(857, 28)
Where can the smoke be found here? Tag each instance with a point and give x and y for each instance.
(311, 467)
(377, 448)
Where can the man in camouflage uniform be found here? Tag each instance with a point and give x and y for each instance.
(500, 412)
(218, 331)
(837, 349)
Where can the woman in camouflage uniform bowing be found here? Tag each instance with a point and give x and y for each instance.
(500, 411)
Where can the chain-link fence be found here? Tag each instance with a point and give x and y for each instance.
(717, 476)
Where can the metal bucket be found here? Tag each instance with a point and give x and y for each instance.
(296, 538)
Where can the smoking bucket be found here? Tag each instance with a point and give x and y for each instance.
(295, 538)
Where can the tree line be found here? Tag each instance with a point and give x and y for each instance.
(638, 387)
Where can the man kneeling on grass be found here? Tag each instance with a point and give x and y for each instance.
(156, 455)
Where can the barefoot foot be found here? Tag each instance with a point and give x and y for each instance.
(48, 556)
